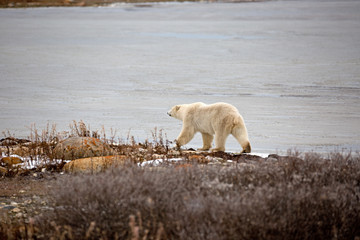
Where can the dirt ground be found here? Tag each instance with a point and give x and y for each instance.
(23, 197)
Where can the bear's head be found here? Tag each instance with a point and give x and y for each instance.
(175, 112)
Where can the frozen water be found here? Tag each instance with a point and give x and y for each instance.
(292, 68)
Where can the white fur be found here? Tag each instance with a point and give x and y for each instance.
(219, 119)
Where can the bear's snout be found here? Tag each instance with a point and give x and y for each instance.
(168, 113)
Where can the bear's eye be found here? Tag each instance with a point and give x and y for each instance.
(177, 108)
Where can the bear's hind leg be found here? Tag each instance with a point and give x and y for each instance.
(220, 139)
(242, 137)
(207, 140)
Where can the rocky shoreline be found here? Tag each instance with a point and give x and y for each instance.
(25, 182)
(91, 155)
(25, 186)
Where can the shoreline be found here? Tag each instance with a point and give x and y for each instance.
(98, 3)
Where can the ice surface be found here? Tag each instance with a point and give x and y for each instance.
(292, 68)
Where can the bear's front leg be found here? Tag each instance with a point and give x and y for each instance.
(207, 140)
(187, 133)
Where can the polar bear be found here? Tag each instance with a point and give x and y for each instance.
(220, 119)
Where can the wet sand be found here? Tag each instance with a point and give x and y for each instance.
(292, 68)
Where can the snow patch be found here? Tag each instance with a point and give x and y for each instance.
(157, 162)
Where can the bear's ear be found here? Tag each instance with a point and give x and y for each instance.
(177, 108)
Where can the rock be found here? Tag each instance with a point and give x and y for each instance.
(277, 157)
(158, 156)
(81, 147)
(271, 159)
(143, 150)
(3, 171)
(173, 152)
(7, 207)
(16, 210)
(198, 158)
(94, 164)
(11, 160)
(10, 141)
(214, 159)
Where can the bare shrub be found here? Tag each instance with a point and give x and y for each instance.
(291, 198)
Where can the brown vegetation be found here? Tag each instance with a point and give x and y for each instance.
(290, 198)
(299, 196)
